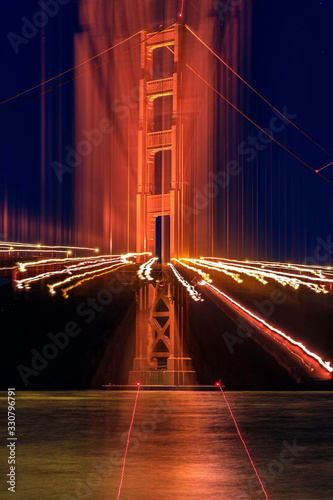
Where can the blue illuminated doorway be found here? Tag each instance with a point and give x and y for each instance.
(162, 238)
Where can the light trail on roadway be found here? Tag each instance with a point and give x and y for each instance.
(235, 270)
(233, 303)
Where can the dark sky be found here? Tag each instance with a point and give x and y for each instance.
(289, 206)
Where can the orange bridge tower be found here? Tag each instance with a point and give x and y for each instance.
(162, 181)
(162, 193)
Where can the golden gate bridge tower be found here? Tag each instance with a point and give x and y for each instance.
(163, 191)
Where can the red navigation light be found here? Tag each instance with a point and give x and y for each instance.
(138, 383)
(180, 14)
(217, 384)
(316, 171)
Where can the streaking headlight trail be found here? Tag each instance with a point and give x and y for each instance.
(145, 269)
(194, 294)
(315, 283)
(324, 364)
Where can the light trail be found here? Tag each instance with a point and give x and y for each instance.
(14, 244)
(181, 10)
(79, 283)
(29, 250)
(129, 255)
(124, 259)
(293, 280)
(80, 264)
(69, 270)
(322, 168)
(47, 262)
(324, 364)
(312, 269)
(127, 442)
(234, 276)
(204, 275)
(71, 278)
(194, 294)
(145, 269)
(241, 438)
(23, 265)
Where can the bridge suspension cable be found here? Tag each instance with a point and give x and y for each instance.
(256, 125)
(74, 67)
(127, 442)
(253, 122)
(256, 92)
(241, 438)
(70, 69)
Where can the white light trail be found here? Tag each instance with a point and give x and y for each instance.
(204, 275)
(314, 283)
(69, 270)
(316, 270)
(324, 364)
(48, 262)
(145, 269)
(38, 246)
(88, 273)
(29, 250)
(195, 295)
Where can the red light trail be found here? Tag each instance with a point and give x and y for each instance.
(234, 304)
(128, 440)
(324, 364)
(322, 168)
(241, 438)
(180, 15)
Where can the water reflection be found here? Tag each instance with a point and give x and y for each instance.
(183, 445)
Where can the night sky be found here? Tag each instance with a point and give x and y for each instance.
(287, 206)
